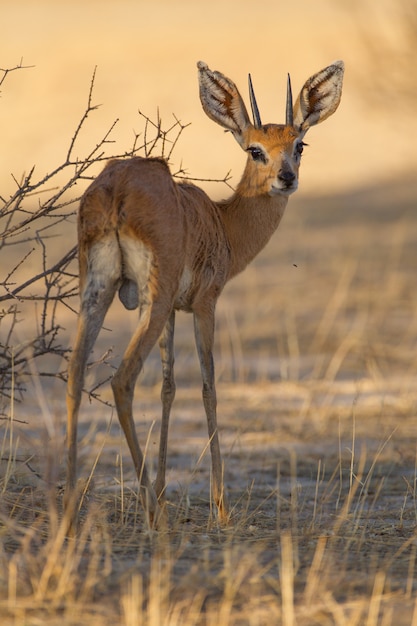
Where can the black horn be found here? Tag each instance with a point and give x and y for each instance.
(289, 118)
(255, 111)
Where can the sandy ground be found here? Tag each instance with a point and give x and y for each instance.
(316, 372)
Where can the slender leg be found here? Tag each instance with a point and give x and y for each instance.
(204, 336)
(166, 346)
(94, 305)
(151, 324)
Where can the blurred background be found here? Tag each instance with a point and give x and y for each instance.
(146, 54)
(316, 342)
(335, 289)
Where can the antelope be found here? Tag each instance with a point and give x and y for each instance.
(166, 246)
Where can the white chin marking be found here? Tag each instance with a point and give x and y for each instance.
(282, 191)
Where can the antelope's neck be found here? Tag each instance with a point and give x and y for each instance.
(249, 222)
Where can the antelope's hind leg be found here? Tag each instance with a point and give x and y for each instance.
(166, 347)
(97, 291)
(153, 317)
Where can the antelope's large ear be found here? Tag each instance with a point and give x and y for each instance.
(222, 101)
(320, 97)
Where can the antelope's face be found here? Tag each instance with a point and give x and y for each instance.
(274, 156)
(274, 150)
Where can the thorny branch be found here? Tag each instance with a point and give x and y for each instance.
(5, 72)
(39, 276)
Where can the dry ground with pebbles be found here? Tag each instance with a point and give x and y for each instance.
(316, 366)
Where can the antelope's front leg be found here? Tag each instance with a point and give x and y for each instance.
(204, 337)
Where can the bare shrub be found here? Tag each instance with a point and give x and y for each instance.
(38, 277)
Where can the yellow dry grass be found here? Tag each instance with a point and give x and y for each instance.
(316, 366)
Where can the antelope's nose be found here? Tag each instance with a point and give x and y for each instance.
(287, 177)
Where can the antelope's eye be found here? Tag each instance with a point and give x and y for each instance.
(257, 154)
(300, 147)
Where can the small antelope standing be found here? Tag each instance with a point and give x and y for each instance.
(165, 246)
